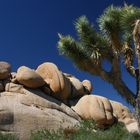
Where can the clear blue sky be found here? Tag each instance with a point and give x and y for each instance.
(28, 34)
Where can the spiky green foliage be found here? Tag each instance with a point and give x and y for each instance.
(91, 41)
(109, 20)
(112, 42)
(70, 48)
(119, 21)
(88, 35)
(129, 15)
(89, 47)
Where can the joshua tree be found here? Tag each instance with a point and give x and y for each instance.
(118, 38)
(136, 37)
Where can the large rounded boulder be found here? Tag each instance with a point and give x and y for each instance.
(95, 107)
(29, 77)
(59, 84)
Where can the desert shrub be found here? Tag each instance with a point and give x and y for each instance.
(87, 131)
(7, 137)
(48, 135)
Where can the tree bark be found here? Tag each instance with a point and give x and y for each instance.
(117, 83)
(136, 37)
(137, 107)
(124, 91)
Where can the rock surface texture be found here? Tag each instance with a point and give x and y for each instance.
(123, 115)
(58, 83)
(105, 112)
(64, 86)
(29, 77)
(34, 99)
(95, 107)
(25, 110)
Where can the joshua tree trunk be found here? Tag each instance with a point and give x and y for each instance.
(137, 107)
(136, 35)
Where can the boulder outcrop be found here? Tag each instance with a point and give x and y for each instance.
(105, 112)
(35, 99)
(64, 86)
(24, 110)
(55, 79)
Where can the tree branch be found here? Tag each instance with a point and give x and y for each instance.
(124, 91)
(117, 83)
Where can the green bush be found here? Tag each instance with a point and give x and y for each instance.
(87, 131)
(7, 137)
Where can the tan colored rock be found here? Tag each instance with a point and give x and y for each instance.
(5, 69)
(123, 115)
(29, 77)
(63, 85)
(88, 85)
(95, 107)
(132, 127)
(78, 89)
(31, 110)
(16, 88)
(58, 83)
(121, 112)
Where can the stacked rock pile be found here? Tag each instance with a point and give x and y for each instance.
(52, 81)
(48, 98)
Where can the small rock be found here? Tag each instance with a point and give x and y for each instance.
(123, 115)
(132, 127)
(29, 78)
(78, 89)
(87, 84)
(5, 69)
(77, 84)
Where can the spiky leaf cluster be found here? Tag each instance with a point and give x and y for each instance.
(72, 49)
(109, 21)
(90, 43)
(129, 15)
(115, 24)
